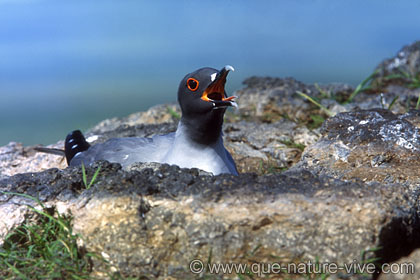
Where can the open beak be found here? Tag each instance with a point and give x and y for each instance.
(215, 92)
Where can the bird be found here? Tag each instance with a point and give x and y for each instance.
(197, 142)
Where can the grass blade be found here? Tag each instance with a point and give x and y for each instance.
(173, 113)
(68, 248)
(361, 87)
(45, 250)
(394, 76)
(16, 271)
(371, 250)
(393, 101)
(323, 93)
(26, 196)
(50, 217)
(328, 112)
(84, 176)
(94, 177)
(405, 73)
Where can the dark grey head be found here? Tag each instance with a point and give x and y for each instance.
(203, 102)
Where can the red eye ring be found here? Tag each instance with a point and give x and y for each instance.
(192, 84)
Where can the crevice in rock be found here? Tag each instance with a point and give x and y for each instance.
(398, 239)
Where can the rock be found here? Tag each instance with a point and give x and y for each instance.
(405, 268)
(401, 69)
(270, 99)
(14, 159)
(155, 221)
(267, 147)
(374, 145)
(398, 76)
(406, 99)
(139, 166)
(164, 113)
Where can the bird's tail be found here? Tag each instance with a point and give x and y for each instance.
(75, 143)
(52, 151)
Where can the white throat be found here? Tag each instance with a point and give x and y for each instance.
(188, 154)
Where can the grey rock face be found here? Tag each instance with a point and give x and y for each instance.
(154, 222)
(270, 99)
(399, 76)
(373, 145)
(15, 159)
(400, 69)
(257, 146)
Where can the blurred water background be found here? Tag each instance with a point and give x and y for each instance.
(70, 64)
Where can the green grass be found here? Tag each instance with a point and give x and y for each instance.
(46, 249)
(363, 86)
(269, 168)
(413, 81)
(84, 176)
(317, 121)
(173, 113)
(324, 94)
(312, 100)
(292, 144)
(393, 102)
(374, 260)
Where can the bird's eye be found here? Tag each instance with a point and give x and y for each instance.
(192, 84)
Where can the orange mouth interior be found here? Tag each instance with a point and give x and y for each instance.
(216, 90)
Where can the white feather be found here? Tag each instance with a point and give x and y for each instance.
(213, 77)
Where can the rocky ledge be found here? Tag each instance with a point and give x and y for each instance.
(344, 190)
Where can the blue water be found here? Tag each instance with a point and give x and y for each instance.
(70, 64)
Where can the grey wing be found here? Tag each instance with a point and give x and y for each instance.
(127, 150)
(231, 163)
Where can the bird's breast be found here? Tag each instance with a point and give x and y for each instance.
(190, 155)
